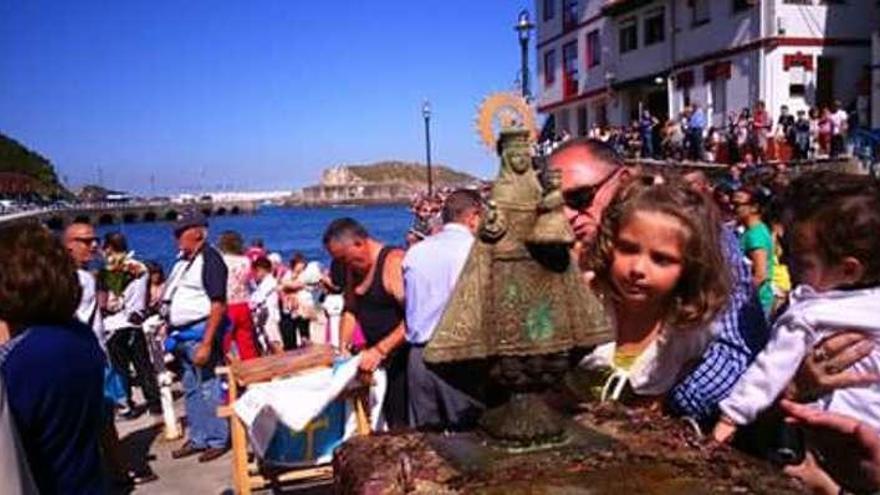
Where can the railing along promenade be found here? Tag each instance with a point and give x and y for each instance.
(58, 216)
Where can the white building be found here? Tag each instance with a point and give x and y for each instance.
(600, 61)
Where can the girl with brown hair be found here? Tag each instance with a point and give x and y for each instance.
(657, 263)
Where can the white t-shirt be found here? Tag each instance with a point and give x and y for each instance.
(87, 311)
(838, 122)
(193, 285)
(134, 300)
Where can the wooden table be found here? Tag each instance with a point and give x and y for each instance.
(248, 476)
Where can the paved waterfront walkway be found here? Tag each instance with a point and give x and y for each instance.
(141, 439)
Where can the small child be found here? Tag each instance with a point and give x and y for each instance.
(802, 136)
(835, 222)
(266, 306)
(656, 261)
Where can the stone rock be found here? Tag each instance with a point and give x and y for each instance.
(649, 454)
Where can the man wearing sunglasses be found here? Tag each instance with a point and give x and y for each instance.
(82, 244)
(592, 172)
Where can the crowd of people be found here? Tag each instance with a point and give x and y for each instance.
(815, 133)
(745, 302)
(82, 338)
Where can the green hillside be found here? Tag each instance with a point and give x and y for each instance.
(18, 159)
(410, 173)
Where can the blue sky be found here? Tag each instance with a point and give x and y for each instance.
(248, 94)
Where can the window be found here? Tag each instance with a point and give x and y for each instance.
(549, 9)
(563, 122)
(629, 37)
(655, 27)
(719, 100)
(549, 67)
(601, 112)
(594, 49)
(797, 76)
(570, 66)
(582, 120)
(740, 5)
(569, 14)
(699, 12)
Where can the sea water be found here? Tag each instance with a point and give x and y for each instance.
(285, 230)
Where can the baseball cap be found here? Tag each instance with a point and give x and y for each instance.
(189, 219)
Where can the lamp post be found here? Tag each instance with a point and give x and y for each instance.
(523, 27)
(426, 113)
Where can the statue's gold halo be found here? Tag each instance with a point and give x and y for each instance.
(506, 109)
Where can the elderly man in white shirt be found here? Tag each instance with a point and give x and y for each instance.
(430, 270)
(195, 297)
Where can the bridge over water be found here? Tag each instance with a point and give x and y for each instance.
(110, 214)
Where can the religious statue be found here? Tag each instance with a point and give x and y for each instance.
(520, 302)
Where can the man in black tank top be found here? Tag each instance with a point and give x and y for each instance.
(373, 298)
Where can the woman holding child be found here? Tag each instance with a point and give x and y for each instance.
(835, 225)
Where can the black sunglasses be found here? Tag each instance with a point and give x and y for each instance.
(582, 197)
(88, 241)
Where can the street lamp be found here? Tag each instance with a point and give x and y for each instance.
(523, 28)
(426, 113)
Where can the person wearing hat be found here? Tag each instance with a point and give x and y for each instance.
(195, 311)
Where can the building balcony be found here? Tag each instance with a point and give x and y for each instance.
(617, 7)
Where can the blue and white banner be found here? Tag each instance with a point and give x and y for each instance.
(300, 420)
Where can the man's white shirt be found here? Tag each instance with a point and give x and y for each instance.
(430, 271)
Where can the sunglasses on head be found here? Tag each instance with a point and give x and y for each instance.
(582, 197)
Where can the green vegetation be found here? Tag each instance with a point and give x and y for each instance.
(410, 173)
(15, 158)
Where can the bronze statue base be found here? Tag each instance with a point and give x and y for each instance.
(477, 452)
(524, 423)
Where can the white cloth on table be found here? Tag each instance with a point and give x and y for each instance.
(297, 400)
(811, 317)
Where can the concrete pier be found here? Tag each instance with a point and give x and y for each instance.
(111, 214)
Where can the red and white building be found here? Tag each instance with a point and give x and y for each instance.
(601, 61)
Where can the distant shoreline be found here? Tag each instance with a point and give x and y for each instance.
(347, 203)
